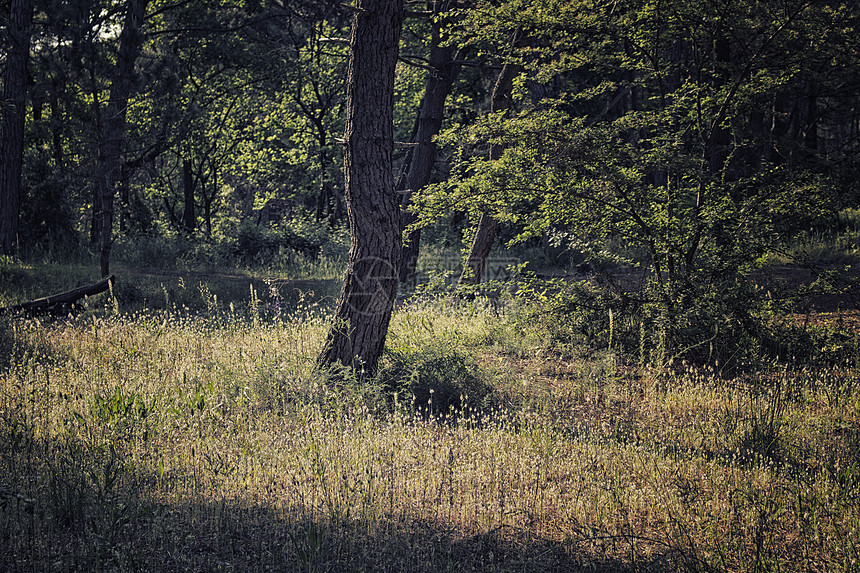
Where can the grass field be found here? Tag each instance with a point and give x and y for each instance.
(197, 436)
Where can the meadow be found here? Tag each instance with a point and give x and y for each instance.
(179, 424)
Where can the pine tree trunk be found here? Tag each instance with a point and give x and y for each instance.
(364, 307)
(189, 217)
(488, 227)
(443, 71)
(12, 135)
(112, 131)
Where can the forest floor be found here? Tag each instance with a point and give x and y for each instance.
(180, 429)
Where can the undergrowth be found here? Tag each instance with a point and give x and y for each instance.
(205, 438)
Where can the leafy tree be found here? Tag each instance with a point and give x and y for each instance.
(667, 128)
(488, 226)
(111, 126)
(14, 109)
(444, 64)
(258, 104)
(296, 158)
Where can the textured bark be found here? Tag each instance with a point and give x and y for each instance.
(444, 70)
(112, 131)
(364, 307)
(488, 227)
(12, 136)
(476, 263)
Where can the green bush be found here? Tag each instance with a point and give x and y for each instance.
(716, 322)
(297, 241)
(438, 378)
(576, 314)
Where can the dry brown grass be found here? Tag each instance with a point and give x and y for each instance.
(170, 443)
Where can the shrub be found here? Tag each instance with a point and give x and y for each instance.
(725, 320)
(439, 378)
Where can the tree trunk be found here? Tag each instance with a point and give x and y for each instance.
(476, 263)
(112, 131)
(443, 70)
(488, 227)
(124, 187)
(364, 307)
(12, 136)
(810, 135)
(57, 124)
(189, 217)
(208, 199)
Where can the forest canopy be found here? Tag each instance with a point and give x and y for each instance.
(685, 141)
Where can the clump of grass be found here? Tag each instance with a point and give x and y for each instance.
(428, 363)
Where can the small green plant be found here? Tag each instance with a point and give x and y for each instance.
(308, 544)
(121, 408)
(763, 438)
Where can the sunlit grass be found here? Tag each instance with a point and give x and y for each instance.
(178, 440)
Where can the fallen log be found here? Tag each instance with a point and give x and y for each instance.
(60, 303)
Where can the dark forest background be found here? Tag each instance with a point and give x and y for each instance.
(674, 148)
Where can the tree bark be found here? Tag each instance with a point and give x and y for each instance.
(112, 131)
(443, 71)
(479, 252)
(488, 227)
(189, 217)
(364, 308)
(12, 136)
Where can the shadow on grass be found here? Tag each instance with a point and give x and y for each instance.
(68, 507)
(150, 290)
(236, 536)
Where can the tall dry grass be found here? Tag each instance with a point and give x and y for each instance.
(175, 441)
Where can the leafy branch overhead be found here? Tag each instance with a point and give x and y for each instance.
(700, 135)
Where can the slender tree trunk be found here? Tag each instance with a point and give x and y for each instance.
(488, 227)
(719, 139)
(112, 130)
(208, 199)
(443, 71)
(323, 195)
(479, 252)
(57, 124)
(189, 217)
(366, 302)
(810, 135)
(124, 187)
(714, 168)
(326, 206)
(12, 136)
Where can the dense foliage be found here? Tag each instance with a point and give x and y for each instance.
(679, 141)
(674, 146)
